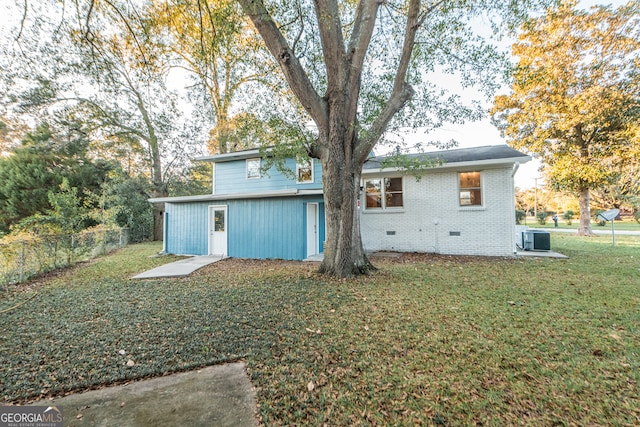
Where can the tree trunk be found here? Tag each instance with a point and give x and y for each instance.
(344, 254)
(585, 213)
(158, 222)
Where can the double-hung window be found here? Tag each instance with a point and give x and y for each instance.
(383, 193)
(470, 189)
(304, 171)
(253, 168)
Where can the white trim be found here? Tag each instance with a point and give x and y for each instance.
(298, 166)
(471, 206)
(384, 207)
(315, 244)
(470, 165)
(211, 221)
(253, 159)
(232, 196)
(236, 155)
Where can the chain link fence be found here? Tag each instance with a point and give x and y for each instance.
(25, 258)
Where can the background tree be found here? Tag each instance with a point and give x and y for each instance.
(45, 160)
(355, 66)
(110, 70)
(575, 96)
(214, 42)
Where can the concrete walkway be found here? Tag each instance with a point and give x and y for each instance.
(219, 395)
(184, 267)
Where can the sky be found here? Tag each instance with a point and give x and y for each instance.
(482, 132)
(471, 134)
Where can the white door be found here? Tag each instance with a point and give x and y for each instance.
(218, 230)
(312, 229)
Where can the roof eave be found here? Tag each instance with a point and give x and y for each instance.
(457, 165)
(235, 196)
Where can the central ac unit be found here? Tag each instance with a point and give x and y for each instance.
(536, 240)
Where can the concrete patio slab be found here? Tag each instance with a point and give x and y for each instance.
(219, 395)
(541, 254)
(180, 268)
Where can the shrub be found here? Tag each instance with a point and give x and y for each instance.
(542, 217)
(520, 215)
(568, 216)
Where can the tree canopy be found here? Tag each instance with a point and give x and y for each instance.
(46, 158)
(575, 100)
(362, 69)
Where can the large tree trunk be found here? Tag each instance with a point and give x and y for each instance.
(341, 171)
(585, 213)
(344, 254)
(340, 149)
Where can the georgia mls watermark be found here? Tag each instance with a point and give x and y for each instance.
(30, 416)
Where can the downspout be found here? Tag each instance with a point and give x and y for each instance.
(516, 166)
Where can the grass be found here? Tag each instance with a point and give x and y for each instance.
(628, 224)
(427, 340)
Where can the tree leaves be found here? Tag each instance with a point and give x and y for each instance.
(575, 100)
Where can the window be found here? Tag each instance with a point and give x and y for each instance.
(253, 168)
(470, 189)
(304, 171)
(383, 193)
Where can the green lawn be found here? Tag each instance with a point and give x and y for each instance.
(430, 340)
(628, 224)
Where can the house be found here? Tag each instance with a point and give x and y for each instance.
(463, 205)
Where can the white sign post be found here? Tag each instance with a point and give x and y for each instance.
(610, 215)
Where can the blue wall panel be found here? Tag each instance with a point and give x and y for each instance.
(187, 228)
(231, 178)
(257, 228)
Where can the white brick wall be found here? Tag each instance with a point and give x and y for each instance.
(432, 220)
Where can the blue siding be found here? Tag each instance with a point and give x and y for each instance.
(187, 228)
(231, 178)
(256, 228)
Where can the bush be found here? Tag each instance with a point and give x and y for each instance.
(520, 215)
(542, 217)
(568, 216)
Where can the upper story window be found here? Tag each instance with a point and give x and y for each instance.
(383, 193)
(304, 171)
(470, 189)
(253, 168)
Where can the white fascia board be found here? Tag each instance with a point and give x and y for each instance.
(456, 165)
(236, 155)
(214, 197)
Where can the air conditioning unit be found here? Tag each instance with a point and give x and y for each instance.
(536, 240)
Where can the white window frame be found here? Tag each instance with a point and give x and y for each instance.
(480, 188)
(249, 170)
(383, 195)
(299, 166)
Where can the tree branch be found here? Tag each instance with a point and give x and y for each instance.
(333, 47)
(402, 91)
(289, 63)
(358, 45)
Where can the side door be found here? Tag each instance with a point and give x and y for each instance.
(218, 230)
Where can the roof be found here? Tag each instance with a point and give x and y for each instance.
(474, 156)
(236, 155)
(486, 154)
(213, 197)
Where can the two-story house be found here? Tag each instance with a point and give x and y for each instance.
(464, 206)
